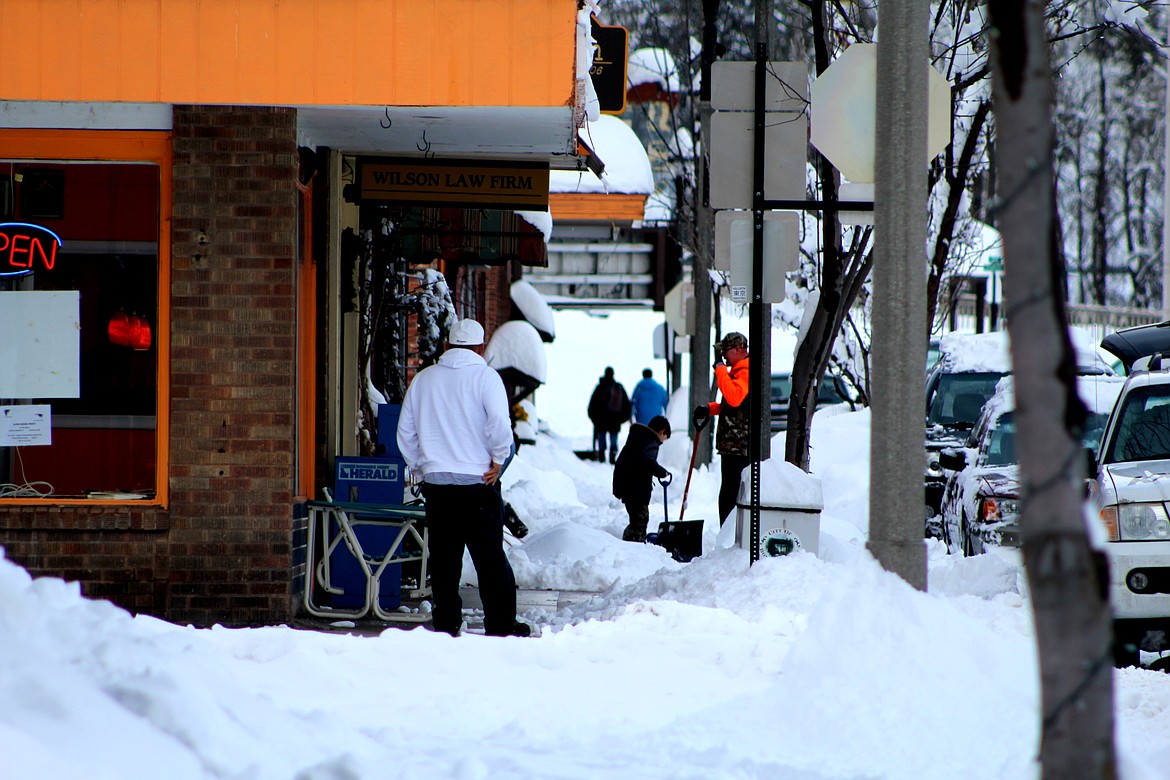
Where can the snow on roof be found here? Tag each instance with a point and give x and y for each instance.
(534, 308)
(541, 220)
(627, 168)
(992, 352)
(649, 66)
(516, 344)
(1099, 393)
(976, 352)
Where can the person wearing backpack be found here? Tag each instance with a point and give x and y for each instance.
(634, 472)
(609, 410)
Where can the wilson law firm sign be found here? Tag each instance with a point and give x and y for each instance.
(457, 183)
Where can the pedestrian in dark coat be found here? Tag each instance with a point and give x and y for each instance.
(634, 472)
(609, 410)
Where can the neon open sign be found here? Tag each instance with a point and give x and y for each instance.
(24, 246)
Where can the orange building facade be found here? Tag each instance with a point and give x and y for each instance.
(180, 188)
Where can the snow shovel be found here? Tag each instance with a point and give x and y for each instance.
(652, 538)
(694, 453)
(683, 538)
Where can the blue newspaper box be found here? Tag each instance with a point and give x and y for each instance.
(388, 415)
(371, 481)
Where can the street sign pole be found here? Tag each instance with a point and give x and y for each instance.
(759, 330)
(897, 452)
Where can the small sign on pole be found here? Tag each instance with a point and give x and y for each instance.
(610, 59)
(733, 251)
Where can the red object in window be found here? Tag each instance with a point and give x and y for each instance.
(139, 333)
(119, 329)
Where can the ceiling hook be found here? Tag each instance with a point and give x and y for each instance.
(425, 147)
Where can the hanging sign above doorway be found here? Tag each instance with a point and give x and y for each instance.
(454, 183)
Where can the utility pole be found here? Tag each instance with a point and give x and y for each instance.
(1166, 183)
(759, 312)
(897, 450)
(701, 263)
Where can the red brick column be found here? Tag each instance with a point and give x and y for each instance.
(233, 365)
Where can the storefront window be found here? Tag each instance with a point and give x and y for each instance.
(79, 412)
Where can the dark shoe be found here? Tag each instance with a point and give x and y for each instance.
(518, 629)
(456, 631)
(513, 522)
(632, 534)
(612, 457)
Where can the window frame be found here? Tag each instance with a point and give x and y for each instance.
(130, 146)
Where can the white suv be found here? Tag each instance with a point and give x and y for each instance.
(1133, 492)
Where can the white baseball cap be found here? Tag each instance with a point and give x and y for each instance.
(465, 333)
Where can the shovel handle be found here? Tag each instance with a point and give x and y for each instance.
(691, 470)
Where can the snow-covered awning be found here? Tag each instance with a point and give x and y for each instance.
(627, 167)
(535, 309)
(516, 344)
(517, 353)
(653, 65)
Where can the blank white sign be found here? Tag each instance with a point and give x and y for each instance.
(40, 344)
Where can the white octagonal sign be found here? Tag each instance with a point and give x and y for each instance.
(844, 112)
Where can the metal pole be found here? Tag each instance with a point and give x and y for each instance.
(759, 312)
(1166, 184)
(897, 449)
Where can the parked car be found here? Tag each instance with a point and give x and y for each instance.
(981, 501)
(969, 367)
(932, 353)
(832, 391)
(965, 375)
(1130, 344)
(1131, 491)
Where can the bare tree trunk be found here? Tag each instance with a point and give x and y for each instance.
(958, 180)
(1100, 191)
(1072, 617)
(813, 353)
(701, 390)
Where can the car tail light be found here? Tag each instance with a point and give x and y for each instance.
(996, 510)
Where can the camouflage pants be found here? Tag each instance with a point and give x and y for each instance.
(639, 519)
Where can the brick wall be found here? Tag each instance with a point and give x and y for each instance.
(222, 552)
(233, 364)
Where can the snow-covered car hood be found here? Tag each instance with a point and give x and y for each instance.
(940, 436)
(1003, 481)
(1146, 480)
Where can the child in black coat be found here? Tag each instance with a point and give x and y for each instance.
(634, 472)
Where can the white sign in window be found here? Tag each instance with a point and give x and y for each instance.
(40, 344)
(26, 426)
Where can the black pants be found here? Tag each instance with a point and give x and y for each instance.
(730, 468)
(471, 517)
(639, 518)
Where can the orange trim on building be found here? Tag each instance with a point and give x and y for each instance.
(291, 52)
(596, 206)
(150, 147)
(307, 349)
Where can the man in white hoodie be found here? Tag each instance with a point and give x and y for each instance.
(455, 433)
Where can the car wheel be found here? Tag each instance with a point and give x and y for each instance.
(1126, 650)
(966, 533)
(949, 534)
(1160, 665)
